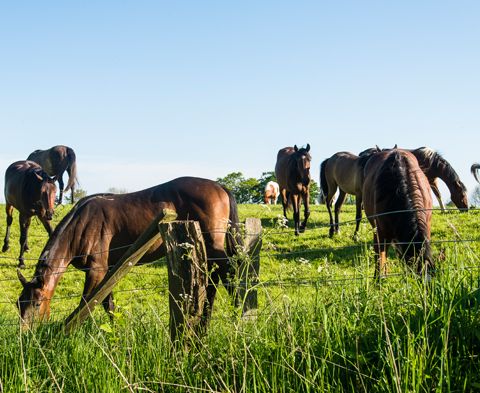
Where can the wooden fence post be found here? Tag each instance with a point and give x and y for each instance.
(187, 276)
(115, 274)
(249, 269)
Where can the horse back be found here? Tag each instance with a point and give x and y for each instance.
(112, 221)
(281, 166)
(343, 169)
(394, 182)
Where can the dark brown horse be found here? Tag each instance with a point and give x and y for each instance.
(474, 169)
(32, 192)
(293, 174)
(398, 202)
(55, 161)
(343, 171)
(99, 228)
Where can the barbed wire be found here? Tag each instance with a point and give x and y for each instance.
(281, 283)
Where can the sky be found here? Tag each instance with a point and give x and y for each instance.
(147, 91)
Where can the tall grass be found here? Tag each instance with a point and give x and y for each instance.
(330, 329)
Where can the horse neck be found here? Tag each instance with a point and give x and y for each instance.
(442, 169)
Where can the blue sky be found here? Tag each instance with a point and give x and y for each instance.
(146, 91)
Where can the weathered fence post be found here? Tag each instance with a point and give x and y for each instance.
(187, 276)
(249, 269)
(146, 240)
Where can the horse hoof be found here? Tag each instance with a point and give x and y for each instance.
(302, 230)
(297, 233)
(21, 265)
(5, 247)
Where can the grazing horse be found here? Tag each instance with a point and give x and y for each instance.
(475, 168)
(271, 193)
(32, 192)
(99, 229)
(398, 202)
(55, 161)
(435, 166)
(293, 174)
(343, 171)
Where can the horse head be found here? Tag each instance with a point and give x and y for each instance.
(32, 303)
(47, 191)
(459, 195)
(302, 158)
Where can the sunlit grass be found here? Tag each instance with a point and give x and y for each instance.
(322, 323)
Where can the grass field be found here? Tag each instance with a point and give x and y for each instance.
(323, 324)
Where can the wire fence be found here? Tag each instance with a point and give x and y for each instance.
(293, 282)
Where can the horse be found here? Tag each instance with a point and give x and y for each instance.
(398, 204)
(271, 193)
(32, 192)
(96, 232)
(55, 161)
(435, 166)
(474, 169)
(343, 171)
(293, 174)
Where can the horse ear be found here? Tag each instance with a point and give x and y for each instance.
(308, 147)
(378, 149)
(295, 148)
(395, 147)
(38, 176)
(21, 277)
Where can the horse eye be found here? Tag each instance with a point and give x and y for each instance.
(37, 305)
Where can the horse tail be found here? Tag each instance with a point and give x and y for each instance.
(71, 169)
(323, 178)
(234, 238)
(474, 169)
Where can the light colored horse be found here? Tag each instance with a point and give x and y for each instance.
(271, 193)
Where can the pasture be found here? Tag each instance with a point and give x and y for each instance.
(323, 324)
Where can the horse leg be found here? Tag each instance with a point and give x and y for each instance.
(24, 225)
(338, 206)
(6, 241)
(285, 202)
(60, 188)
(46, 225)
(296, 212)
(381, 248)
(328, 203)
(358, 216)
(306, 204)
(94, 276)
(436, 192)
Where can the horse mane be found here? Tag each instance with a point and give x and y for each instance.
(431, 160)
(397, 195)
(43, 262)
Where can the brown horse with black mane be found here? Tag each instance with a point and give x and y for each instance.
(32, 192)
(435, 166)
(293, 175)
(55, 161)
(99, 228)
(343, 171)
(398, 203)
(474, 169)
